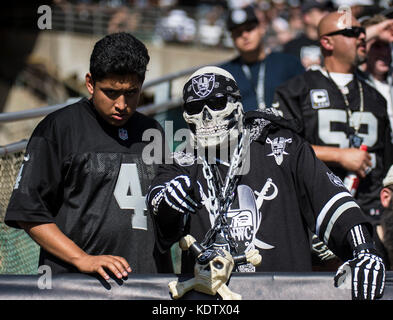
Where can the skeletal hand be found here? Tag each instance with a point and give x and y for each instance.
(368, 276)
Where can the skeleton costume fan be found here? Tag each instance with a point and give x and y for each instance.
(214, 112)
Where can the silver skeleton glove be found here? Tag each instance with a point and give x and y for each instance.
(366, 268)
(177, 194)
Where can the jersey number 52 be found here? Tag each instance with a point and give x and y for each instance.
(327, 116)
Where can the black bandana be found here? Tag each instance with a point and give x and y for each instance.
(209, 85)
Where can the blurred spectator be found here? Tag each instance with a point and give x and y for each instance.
(379, 59)
(211, 27)
(282, 31)
(278, 9)
(383, 233)
(177, 27)
(387, 190)
(257, 73)
(295, 19)
(123, 19)
(306, 45)
(338, 112)
(377, 70)
(379, 27)
(238, 4)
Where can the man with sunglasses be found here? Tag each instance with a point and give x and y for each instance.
(264, 196)
(338, 112)
(256, 72)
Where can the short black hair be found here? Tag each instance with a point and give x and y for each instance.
(118, 53)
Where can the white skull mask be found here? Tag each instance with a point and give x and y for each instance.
(212, 128)
(212, 107)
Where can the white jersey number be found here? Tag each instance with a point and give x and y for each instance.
(128, 194)
(327, 116)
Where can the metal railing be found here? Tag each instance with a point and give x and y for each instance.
(13, 147)
(149, 109)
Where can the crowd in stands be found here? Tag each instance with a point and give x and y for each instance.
(203, 22)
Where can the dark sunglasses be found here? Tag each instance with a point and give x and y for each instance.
(215, 104)
(352, 32)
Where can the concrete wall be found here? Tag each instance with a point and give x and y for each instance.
(70, 53)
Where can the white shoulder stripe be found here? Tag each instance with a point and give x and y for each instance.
(340, 210)
(327, 207)
(357, 235)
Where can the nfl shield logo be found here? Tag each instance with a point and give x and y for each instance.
(203, 85)
(123, 134)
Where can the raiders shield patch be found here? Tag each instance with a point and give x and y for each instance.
(203, 85)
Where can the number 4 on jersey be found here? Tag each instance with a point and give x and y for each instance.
(128, 180)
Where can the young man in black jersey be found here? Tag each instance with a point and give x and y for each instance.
(338, 111)
(248, 181)
(80, 193)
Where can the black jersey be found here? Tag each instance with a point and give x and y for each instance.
(286, 192)
(317, 103)
(88, 177)
(306, 49)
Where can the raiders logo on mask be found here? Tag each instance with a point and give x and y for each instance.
(203, 85)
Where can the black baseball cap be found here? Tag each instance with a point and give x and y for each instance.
(238, 17)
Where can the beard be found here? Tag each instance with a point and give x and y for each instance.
(359, 60)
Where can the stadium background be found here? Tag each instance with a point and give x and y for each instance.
(46, 67)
